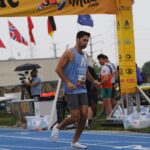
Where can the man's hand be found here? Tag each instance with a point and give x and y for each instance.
(26, 83)
(29, 79)
(97, 83)
(70, 86)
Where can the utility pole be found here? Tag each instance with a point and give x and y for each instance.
(67, 46)
(91, 47)
(31, 50)
(55, 50)
(91, 43)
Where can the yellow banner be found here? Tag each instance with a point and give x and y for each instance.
(126, 48)
(56, 7)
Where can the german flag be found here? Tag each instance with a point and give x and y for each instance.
(51, 25)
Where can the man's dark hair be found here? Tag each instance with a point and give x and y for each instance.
(101, 56)
(80, 34)
(106, 57)
(34, 70)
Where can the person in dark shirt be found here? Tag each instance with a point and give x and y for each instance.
(92, 93)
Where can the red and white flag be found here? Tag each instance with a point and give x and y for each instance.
(15, 34)
(30, 27)
(2, 44)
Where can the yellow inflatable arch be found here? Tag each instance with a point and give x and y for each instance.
(122, 9)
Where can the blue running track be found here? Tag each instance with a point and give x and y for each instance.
(18, 139)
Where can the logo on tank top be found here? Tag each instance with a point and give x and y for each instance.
(83, 62)
(82, 73)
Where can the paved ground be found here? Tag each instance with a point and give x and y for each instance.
(18, 139)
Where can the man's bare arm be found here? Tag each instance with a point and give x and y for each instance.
(64, 60)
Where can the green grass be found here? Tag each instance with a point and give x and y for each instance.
(144, 130)
(6, 119)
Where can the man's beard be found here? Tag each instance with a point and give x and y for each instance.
(83, 46)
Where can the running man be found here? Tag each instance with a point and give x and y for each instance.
(72, 69)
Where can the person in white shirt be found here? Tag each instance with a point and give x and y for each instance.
(113, 70)
(106, 85)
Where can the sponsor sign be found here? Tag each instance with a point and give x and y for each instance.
(56, 7)
(126, 48)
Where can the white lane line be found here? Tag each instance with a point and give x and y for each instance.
(135, 147)
(88, 142)
(69, 140)
(110, 133)
(4, 149)
(33, 147)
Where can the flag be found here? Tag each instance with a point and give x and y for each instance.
(15, 34)
(30, 27)
(85, 20)
(2, 44)
(51, 25)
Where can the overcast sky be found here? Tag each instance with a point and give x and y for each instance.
(103, 35)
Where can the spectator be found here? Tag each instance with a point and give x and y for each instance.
(92, 94)
(34, 84)
(113, 70)
(106, 85)
(139, 76)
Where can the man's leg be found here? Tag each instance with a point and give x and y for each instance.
(90, 116)
(74, 117)
(94, 108)
(81, 123)
(113, 101)
(108, 107)
(73, 105)
(103, 96)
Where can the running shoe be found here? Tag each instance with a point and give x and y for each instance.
(55, 133)
(77, 145)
